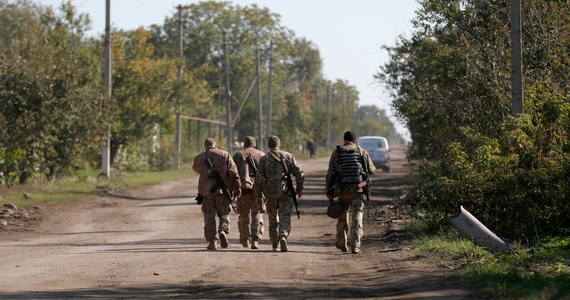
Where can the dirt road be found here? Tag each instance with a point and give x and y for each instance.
(149, 244)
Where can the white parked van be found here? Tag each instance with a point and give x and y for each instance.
(378, 149)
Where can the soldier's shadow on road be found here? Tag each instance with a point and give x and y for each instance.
(152, 245)
(402, 287)
(129, 197)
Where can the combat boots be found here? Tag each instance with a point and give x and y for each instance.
(254, 244)
(223, 240)
(355, 250)
(245, 244)
(213, 245)
(283, 243)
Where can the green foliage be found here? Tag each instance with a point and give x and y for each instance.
(209, 29)
(10, 165)
(54, 116)
(84, 185)
(46, 111)
(142, 91)
(300, 97)
(451, 83)
(455, 69)
(540, 272)
(291, 136)
(510, 185)
(373, 121)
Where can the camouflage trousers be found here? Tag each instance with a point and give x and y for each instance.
(352, 213)
(215, 206)
(279, 210)
(247, 207)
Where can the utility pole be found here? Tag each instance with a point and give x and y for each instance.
(269, 91)
(329, 130)
(179, 77)
(106, 153)
(259, 102)
(516, 59)
(228, 94)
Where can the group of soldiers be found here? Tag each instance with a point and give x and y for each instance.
(263, 182)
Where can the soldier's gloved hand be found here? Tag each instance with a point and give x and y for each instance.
(330, 197)
(199, 199)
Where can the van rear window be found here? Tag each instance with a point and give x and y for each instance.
(372, 143)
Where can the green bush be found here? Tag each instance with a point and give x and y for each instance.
(11, 166)
(517, 186)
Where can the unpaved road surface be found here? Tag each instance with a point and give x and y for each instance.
(149, 244)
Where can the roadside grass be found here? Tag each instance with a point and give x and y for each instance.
(538, 272)
(84, 185)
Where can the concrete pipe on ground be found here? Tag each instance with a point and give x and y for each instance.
(469, 226)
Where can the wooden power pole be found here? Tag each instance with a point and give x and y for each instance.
(228, 94)
(269, 91)
(106, 153)
(178, 138)
(259, 102)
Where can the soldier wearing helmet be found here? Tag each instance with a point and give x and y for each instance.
(250, 220)
(270, 180)
(214, 202)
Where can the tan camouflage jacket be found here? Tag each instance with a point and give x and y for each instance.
(244, 170)
(270, 179)
(223, 163)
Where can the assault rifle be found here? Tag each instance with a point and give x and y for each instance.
(290, 188)
(219, 182)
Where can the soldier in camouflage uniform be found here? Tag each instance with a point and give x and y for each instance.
(349, 166)
(215, 202)
(270, 180)
(247, 161)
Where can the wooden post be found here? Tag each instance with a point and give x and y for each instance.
(106, 153)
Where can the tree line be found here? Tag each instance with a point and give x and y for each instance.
(54, 113)
(451, 84)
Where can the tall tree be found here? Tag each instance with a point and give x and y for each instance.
(46, 111)
(455, 69)
(295, 61)
(146, 91)
(451, 82)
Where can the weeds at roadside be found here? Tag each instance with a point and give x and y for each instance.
(539, 272)
(83, 186)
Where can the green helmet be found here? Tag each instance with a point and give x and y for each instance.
(334, 210)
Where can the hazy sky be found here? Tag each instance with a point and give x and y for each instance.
(348, 34)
